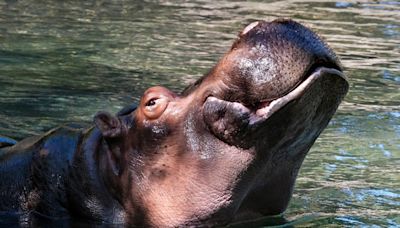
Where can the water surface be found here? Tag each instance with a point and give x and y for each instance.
(62, 62)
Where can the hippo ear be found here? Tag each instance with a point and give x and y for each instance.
(109, 125)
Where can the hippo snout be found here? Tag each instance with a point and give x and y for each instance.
(269, 59)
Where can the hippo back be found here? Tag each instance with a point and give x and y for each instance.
(33, 172)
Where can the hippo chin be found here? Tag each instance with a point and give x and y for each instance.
(226, 149)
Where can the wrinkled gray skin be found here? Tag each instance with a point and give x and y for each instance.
(226, 149)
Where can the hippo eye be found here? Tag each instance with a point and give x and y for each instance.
(154, 102)
(151, 102)
(154, 107)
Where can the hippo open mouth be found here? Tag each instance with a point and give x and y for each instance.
(266, 109)
(226, 118)
(257, 82)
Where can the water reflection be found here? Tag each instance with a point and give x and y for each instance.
(63, 61)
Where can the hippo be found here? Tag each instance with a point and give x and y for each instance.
(226, 149)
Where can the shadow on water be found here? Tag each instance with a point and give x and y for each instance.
(64, 61)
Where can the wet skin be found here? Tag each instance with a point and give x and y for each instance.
(226, 149)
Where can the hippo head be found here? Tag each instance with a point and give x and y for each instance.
(228, 147)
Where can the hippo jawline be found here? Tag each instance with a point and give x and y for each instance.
(233, 121)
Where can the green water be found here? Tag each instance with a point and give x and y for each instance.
(62, 62)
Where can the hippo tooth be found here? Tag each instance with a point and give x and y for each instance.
(249, 27)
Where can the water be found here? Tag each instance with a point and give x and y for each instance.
(62, 62)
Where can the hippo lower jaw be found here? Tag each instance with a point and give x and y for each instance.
(232, 121)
